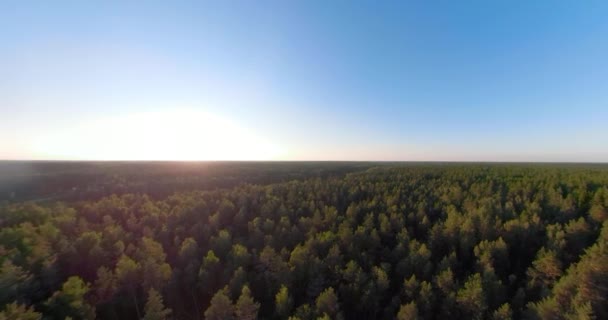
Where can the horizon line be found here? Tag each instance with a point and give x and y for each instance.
(319, 160)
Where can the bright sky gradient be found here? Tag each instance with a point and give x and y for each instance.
(304, 80)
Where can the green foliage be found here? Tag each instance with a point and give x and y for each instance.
(127, 271)
(70, 301)
(155, 309)
(14, 311)
(503, 313)
(246, 308)
(13, 282)
(307, 241)
(408, 312)
(220, 307)
(545, 270)
(209, 273)
(327, 303)
(583, 290)
(471, 298)
(283, 302)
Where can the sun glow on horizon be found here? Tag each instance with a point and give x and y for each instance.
(181, 135)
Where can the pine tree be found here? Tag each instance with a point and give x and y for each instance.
(471, 299)
(283, 302)
(221, 307)
(155, 309)
(503, 313)
(246, 308)
(408, 312)
(14, 311)
(127, 273)
(70, 301)
(327, 302)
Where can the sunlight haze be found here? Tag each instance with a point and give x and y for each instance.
(309, 80)
(170, 135)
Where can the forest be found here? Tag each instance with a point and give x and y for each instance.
(299, 241)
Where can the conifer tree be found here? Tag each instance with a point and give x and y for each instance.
(220, 307)
(155, 308)
(246, 308)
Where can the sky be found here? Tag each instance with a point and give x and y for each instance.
(304, 80)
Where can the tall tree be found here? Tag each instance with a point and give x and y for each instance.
(283, 302)
(408, 311)
(327, 302)
(220, 307)
(155, 308)
(14, 311)
(70, 301)
(246, 308)
(471, 299)
(128, 276)
(503, 313)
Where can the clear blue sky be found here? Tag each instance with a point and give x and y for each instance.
(325, 80)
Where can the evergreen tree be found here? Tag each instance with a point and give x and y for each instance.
(70, 301)
(246, 308)
(154, 308)
(327, 303)
(283, 303)
(408, 312)
(503, 313)
(14, 311)
(220, 307)
(471, 298)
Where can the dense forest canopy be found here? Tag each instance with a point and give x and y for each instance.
(304, 241)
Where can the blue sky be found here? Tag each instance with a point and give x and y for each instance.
(305, 80)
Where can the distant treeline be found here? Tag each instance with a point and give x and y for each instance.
(55, 180)
(322, 241)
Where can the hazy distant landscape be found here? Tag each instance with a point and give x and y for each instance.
(74, 180)
(303, 240)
